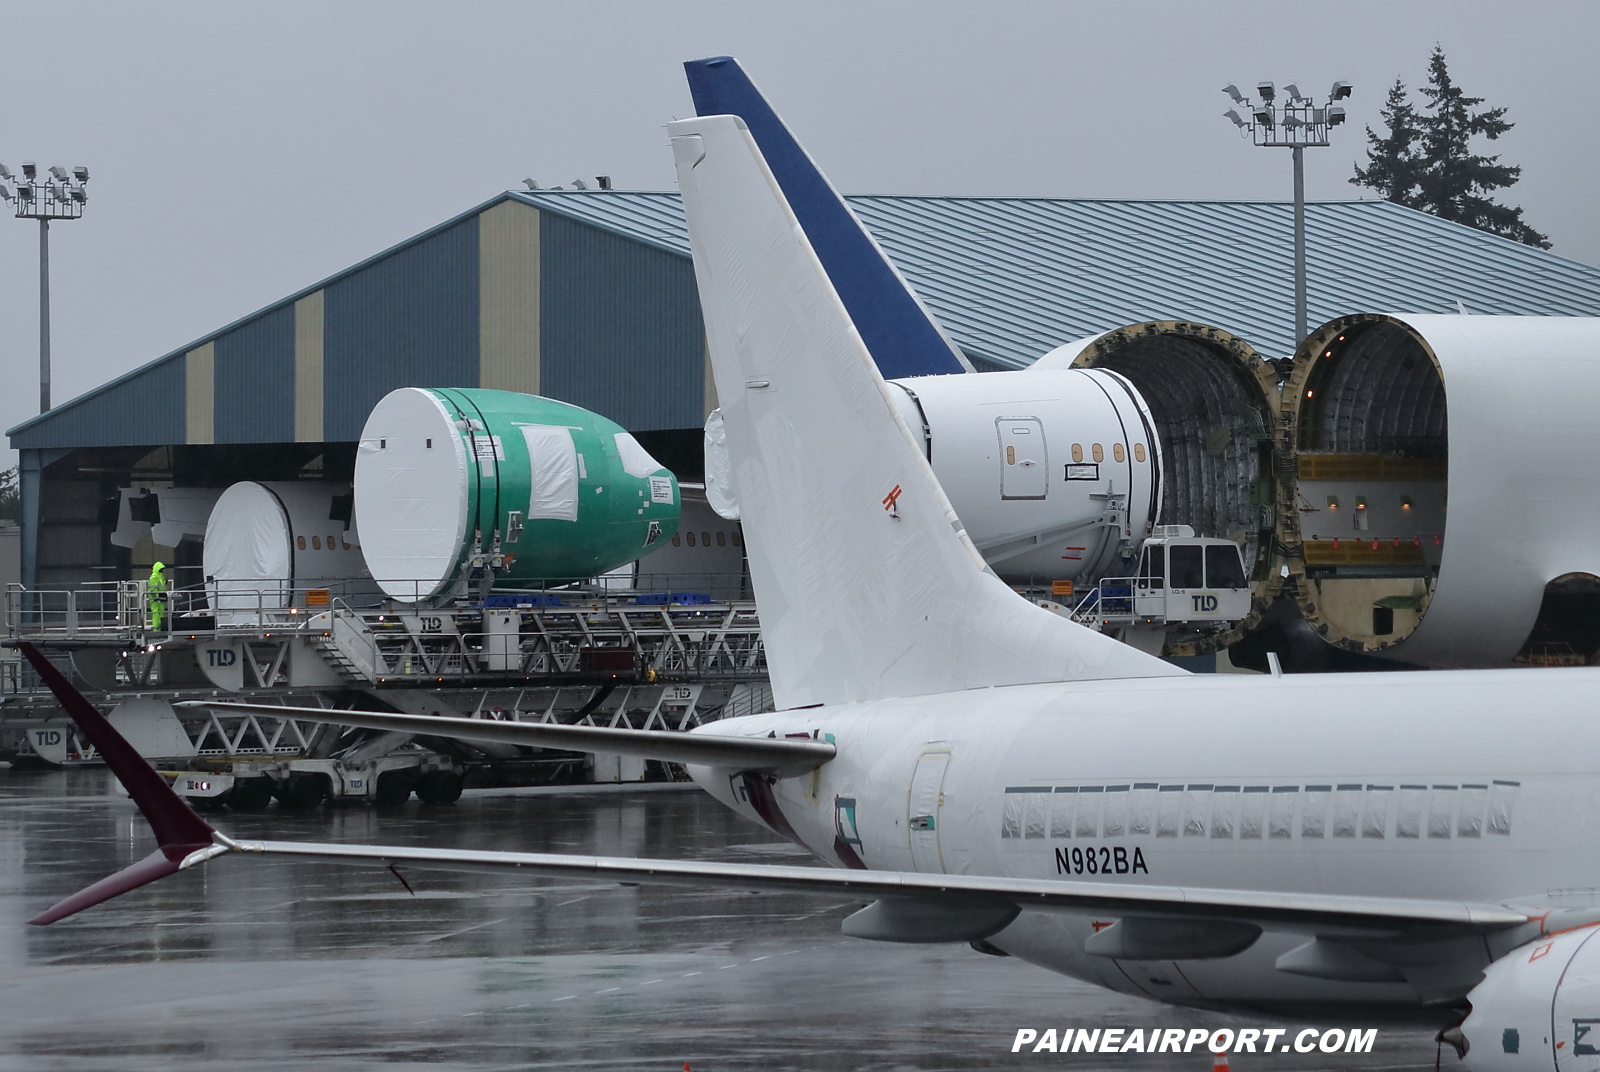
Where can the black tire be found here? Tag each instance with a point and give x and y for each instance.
(440, 787)
(305, 791)
(251, 794)
(394, 787)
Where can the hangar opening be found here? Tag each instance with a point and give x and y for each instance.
(1210, 396)
(1372, 458)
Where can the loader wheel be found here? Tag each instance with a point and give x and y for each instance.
(251, 794)
(394, 787)
(439, 787)
(305, 791)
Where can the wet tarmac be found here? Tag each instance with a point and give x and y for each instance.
(281, 964)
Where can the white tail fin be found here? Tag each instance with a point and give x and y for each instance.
(867, 582)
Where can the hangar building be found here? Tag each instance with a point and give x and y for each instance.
(589, 297)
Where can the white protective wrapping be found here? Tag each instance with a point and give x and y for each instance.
(719, 469)
(553, 465)
(249, 560)
(867, 582)
(267, 541)
(636, 461)
(411, 494)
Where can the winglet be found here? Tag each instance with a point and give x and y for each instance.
(179, 832)
(901, 334)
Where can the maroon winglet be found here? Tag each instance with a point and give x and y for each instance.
(179, 831)
(158, 864)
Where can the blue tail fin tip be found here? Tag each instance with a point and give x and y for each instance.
(901, 335)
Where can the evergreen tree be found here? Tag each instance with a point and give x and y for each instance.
(1393, 167)
(10, 496)
(1427, 162)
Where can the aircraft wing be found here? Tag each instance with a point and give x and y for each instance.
(907, 906)
(780, 756)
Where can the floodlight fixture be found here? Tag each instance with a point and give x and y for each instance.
(5, 173)
(531, 184)
(579, 184)
(1296, 123)
(58, 195)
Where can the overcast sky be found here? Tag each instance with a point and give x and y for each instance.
(241, 152)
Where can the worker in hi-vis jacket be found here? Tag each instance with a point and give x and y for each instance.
(156, 592)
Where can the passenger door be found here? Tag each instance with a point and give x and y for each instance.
(1024, 473)
(922, 811)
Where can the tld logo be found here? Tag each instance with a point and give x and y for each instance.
(221, 656)
(46, 738)
(1203, 604)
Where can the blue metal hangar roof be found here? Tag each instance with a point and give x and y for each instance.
(589, 298)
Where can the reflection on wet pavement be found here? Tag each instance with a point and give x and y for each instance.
(251, 963)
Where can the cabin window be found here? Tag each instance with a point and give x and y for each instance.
(1090, 797)
(677, 541)
(1252, 812)
(316, 543)
(1099, 455)
(722, 539)
(1064, 802)
(332, 543)
(1375, 811)
(1441, 811)
(1186, 566)
(1223, 569)
(1138, 452)
(1114, 821)
(300, 542)
(1280, 812)
(1169, 805)
(738, 539)
(1346, 807)
(1077, 452)
(1314, 812)
(705, 538)
(1116, 452)
(690, 537)
(1224, 810)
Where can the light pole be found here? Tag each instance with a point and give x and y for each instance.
(1296, 124)
(58, 196)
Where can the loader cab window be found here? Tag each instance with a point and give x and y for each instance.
(1186, 567)
(1153, 567)
(1223, 569)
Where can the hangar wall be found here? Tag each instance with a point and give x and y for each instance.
(506, 296)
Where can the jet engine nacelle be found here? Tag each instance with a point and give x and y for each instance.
(1537, 1007)
(1447, 500)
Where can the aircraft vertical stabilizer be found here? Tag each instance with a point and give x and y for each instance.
(902, 335)
(868, 584)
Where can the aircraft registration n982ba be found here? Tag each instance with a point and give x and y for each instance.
(982, 770)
